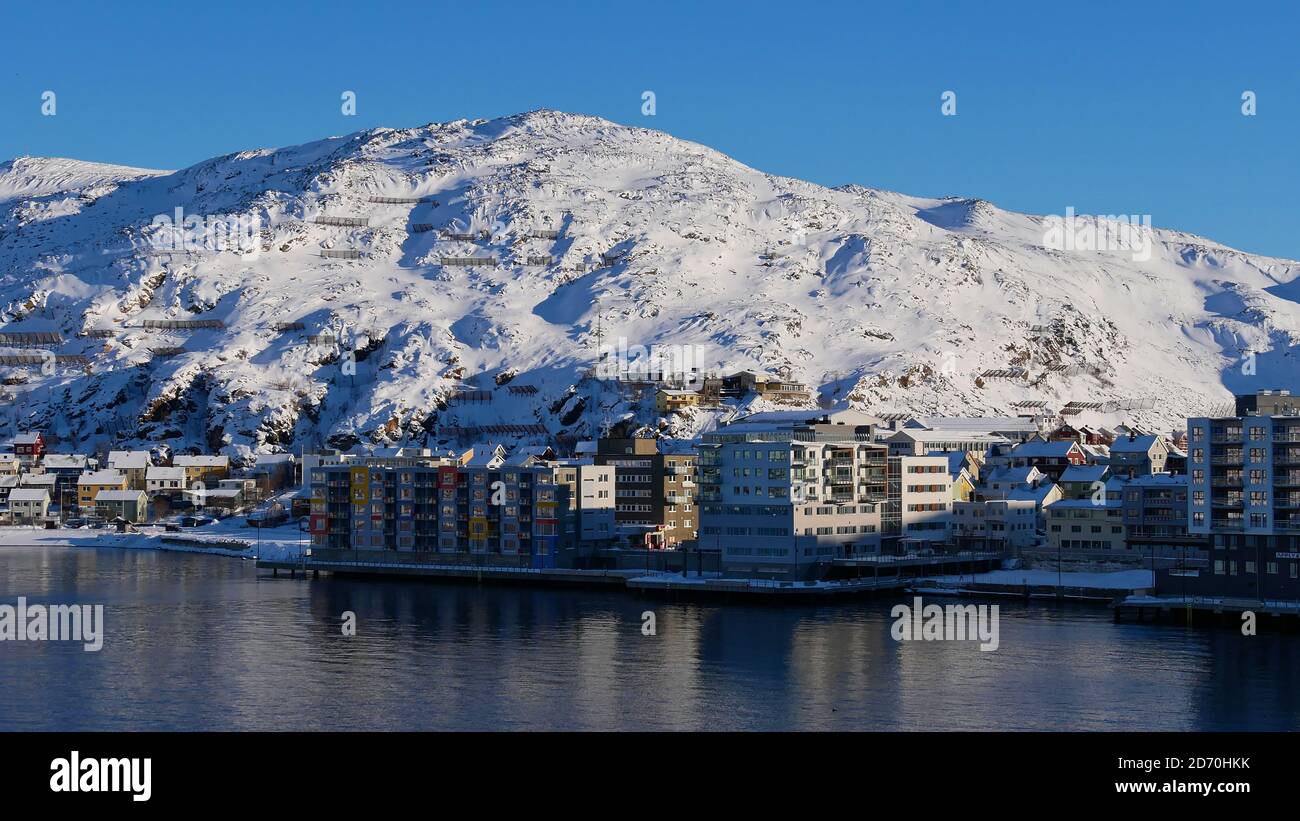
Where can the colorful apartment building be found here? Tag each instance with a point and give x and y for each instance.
(520, 511)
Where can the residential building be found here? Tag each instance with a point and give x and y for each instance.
(1135, 455)
(129, 505)
(509, 512)
(1084, 525)
(997, 524)
(775, 388)
(29, 505)
(1275, 402)
(590, 520)
(643, 483)
(66, 468)
(1000, 482)
(169, 481)
(45, 481)
(1051, 458)
(1244, 489)
(9, 464)
(8, 481)
(785, 494)
(670, 400)
(28, 447)
(1083, 481)
(90, 484)
(272, 472)
(132, 464)
(1155, 517)
(918, 509)
(205, 468)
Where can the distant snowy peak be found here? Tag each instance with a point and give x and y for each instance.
(33, 177)
(461, 280)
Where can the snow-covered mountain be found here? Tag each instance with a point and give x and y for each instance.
(600, 233)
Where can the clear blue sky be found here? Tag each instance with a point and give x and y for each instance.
(1106, 107)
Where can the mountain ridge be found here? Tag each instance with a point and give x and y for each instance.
(890, 302)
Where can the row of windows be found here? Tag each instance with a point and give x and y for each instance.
(1269, 567)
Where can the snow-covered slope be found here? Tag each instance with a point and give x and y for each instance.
(895, 303)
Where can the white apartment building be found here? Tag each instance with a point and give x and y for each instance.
(783, 493)
(921, 497)
(995, 524)
(591, 499)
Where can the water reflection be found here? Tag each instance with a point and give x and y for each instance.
(209, 643)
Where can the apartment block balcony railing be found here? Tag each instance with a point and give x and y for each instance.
(1227, 481)
(1226, 459)
(1228, 436)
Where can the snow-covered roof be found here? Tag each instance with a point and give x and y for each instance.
(100, 477)
(29, 494)
(200, 461)
(1015, 476)
(128, 459)
(274, 459)
(677, 447)
(159, 473)
(1084, 473)
(1140, 444)
(985, 424)
(947, 435)
(1037, 494)
(1036, 449)
(119, 495)
(223, 492)
(64, 461)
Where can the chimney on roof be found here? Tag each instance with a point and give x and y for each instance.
(1132, 436)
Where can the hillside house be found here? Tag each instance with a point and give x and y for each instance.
(1136, 455)
(130, 505)
(132, 464)
(168, 481)
(28, 447)
(91, 483)
(668, 400)
(28, 505)
(204, 468)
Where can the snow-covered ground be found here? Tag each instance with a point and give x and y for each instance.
(279, 542)
(893, 302)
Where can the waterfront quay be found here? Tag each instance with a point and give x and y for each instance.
(1275, 614)
(634, 571)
